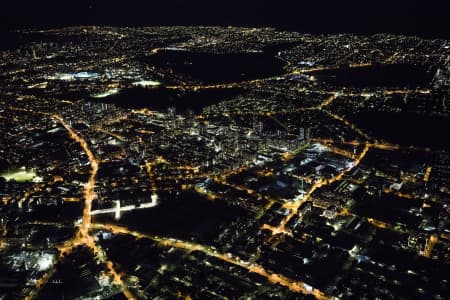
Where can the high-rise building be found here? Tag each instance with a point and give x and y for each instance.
(304, 134)
(259, 128)
(301, 134)
(307, 134)
(171, 111)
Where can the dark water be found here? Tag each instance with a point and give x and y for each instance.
(13, 39)
(283, 46)
(162, 98)
(394, 75)
(406, 128)
(10, 40)
(219, 68)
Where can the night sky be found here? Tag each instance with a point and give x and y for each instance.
(429, 18)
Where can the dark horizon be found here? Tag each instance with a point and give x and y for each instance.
(426, 20)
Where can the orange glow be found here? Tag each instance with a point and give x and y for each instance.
(431, 242)
(426, 177)
(295, 286)
(83, 237)
(294, 205)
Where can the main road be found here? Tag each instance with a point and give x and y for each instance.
(83, 237)
(293, 285)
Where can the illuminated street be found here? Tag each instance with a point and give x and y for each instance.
(295, 286)
(216, 162)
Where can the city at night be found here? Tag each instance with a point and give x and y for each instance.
(224, 151)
